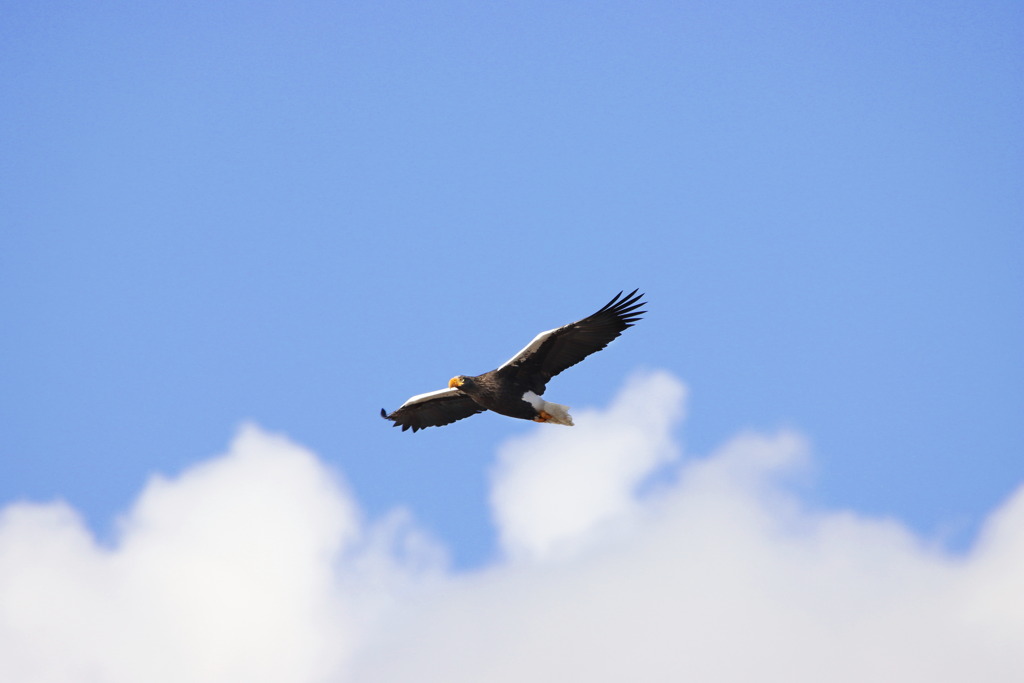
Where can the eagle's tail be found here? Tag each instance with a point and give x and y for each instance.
(549, 412)
(559, 413)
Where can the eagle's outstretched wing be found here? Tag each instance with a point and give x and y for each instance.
(433, 409)
(555, 350)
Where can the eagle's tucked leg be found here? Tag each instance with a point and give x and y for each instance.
(543, 417)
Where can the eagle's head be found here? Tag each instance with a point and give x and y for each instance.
(456, 382)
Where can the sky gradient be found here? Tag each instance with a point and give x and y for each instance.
(288, 216)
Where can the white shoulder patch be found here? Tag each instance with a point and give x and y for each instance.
(429, 396)
(530, 348)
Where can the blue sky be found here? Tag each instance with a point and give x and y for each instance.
(296, 214)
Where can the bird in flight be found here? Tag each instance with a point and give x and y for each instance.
(515, 388)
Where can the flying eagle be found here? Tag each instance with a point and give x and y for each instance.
(515, 388)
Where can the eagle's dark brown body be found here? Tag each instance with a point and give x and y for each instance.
(501, 394)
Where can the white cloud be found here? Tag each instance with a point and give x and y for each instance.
(257, 566)
(553, 489)
(224, 573)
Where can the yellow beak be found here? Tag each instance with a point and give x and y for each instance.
(455, 382)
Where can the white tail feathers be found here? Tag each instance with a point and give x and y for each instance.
(559, 413)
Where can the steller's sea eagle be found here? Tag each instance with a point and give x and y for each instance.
(515, 388)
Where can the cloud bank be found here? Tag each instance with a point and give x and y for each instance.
(622, 560)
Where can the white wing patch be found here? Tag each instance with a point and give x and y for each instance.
(430, 395)
(531, 347)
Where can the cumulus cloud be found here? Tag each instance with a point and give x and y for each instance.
(553, 490)
(224, 573)
(623, 560)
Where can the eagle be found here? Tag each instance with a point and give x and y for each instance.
(515, 388)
